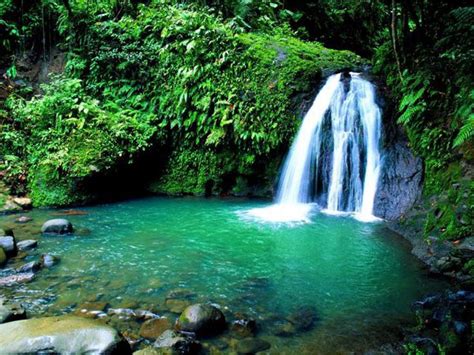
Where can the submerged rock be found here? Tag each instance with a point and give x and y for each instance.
(32, 266)
(202, 319)
(252, 346)
(244, 327)
(303, 318)
(23, 219)
(64, 334)
(177, 306)
(27, 244)
(177, 342)
(57, 226)
(16, 279)
(10, 312)
(153, 328)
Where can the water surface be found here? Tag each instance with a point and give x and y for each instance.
(360, 277)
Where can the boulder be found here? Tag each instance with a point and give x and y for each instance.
(3, 257)
(27, 244)
(57, 226)
(23, 202)
(8, 244)
(202, 319)
(63, 334)
(252, 346)
(10, 312)
(48, 260)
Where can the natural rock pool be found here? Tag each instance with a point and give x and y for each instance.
(332, 285)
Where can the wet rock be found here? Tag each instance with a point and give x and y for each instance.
(303, 318)
(448, 263)
(92, 309)
(244, 327)
(8, 244)
(202, 319)
(122, 313)
(16, 279)
(177, 342)
(23, 202)
(252, 346)
(3, 257)
(10, 312)
(23, 219)
(27, 244)
(32, 266)
(400, 182)
(57, 226)
(153, 328)
(48, 260)
(142, 314)
(64, 334)
(177, 306)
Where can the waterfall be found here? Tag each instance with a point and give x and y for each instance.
(335, 158)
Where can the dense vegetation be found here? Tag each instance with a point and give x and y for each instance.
(214, 90)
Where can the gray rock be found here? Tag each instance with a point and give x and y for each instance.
(252, 346)
(400, 182)
(27, 244)
(57, 226)
(32, 266)
(10, 312)
(8, 244)
(171, 340)
(64, 334)
(202, 319)
(448, 263)
(48, 260)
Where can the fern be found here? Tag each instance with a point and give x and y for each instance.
(466, 133)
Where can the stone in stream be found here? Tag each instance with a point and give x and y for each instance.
(10, 312)
(8, 244)
(27, 244)
(23, 202)
(177, 342)
(3, 257)
(23, 219)
(48, 260)
(202, 319)
(16, 279)
(252, 346)
(244, 327)
(32, 266)
(57, 226)
(153, 328)
(63, 334)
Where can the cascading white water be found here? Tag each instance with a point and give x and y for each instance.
(335, 158)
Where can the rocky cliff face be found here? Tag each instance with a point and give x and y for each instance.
(400, 182)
